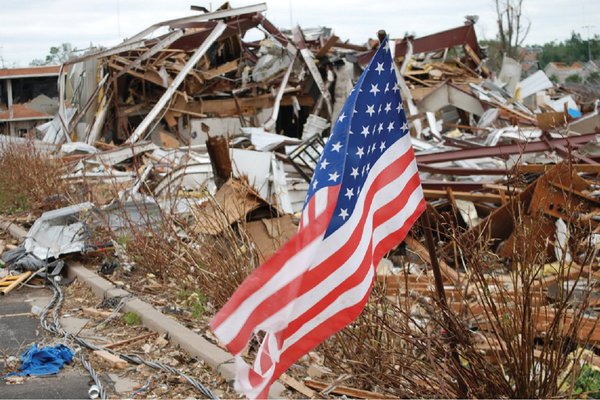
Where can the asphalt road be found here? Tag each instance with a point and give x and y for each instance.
(19, 329)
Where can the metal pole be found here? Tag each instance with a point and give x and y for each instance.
(441, 294)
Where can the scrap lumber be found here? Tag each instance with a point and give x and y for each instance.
(345, 390)
(130, 340)
(193, 60)
(298, 386)
(163, 43)
(220, 70)
(308, 58)
(333, 39)
(96, 312)
(10, 282)
(113, 360)
(421, 251)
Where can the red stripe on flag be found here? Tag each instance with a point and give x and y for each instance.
(261, 275)
(304, 282)
(345, 316)
(391, 208)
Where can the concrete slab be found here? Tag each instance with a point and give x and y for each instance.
(123, 384)
(70, 383)
(17, 333)
(73, 325)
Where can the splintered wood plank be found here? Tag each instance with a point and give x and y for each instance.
(346, 391)
(8, 283)
(328, 45)
(220, 70)
(114, 361)
(298, 386)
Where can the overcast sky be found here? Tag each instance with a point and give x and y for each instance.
(29, 27)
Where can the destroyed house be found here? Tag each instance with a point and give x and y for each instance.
(28, 97)
(199, 79)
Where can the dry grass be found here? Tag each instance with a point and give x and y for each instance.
(504, 336)
(174, 250)
(29, 179)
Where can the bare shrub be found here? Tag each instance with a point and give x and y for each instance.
(516, 328)
(173, 248)
(29, 179)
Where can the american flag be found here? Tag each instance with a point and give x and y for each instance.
(364, 197)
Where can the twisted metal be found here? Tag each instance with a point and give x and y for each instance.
(56, 328)
(88, 367)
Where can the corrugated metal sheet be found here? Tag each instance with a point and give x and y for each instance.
(534, 83)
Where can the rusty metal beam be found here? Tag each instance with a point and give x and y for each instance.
(563, 151)
(462, 171)
(442, 40)
(461, 186)
(504, 150)
(272, 29)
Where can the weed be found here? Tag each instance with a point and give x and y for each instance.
(197, 310)
(173, 248)
(183, 294)
(132, 319)
(198, 301)
(588, 383)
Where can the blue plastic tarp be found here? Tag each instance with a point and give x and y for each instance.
(574, 113)
(45, 361)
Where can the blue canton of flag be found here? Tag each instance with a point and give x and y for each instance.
(372, 119)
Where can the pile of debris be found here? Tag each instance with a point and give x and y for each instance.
(201, 122)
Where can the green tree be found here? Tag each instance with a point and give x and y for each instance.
(594, 77)
(56, 55)
(571, 50)
(575, 78)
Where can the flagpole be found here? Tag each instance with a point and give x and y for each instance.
(441, 295)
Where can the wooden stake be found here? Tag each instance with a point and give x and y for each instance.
(441, 295)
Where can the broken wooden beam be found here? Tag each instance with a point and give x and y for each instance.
(168, 94)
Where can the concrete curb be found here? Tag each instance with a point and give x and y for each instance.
(194, 344)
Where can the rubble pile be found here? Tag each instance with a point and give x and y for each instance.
(182, 115)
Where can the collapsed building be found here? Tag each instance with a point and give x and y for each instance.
(190, 108)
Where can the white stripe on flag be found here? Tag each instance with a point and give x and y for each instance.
(301, 261)
(354, 295)
(298, 306)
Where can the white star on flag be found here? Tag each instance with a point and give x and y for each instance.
(344, 213)
(370, 110)
(365, 131)
(349, 193)
(374, 89)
